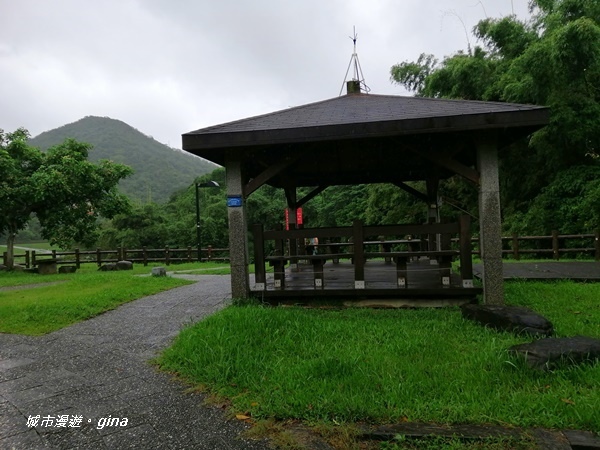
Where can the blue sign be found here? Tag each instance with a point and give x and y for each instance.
(234, 201)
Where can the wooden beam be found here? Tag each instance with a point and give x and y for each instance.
(447, 162)
(269, 173)
(412, 191)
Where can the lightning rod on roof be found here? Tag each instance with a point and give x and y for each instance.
(358, 78)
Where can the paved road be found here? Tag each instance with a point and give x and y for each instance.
(99, 368)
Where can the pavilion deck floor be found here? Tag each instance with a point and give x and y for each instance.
(423, 282)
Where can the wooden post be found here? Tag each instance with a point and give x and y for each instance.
(359, 257)
(597, 245)
(209, 252)
(466, 254)
(27, 260)
(279, 266)
(77, 260)
(555, 245)
(33, 261)
(189, 254)
(167, 256)
(515, 246)
(401, 273)
(259, 257)
(317, 263)
(4, 257)
(53, 254)
(145, 256)
(98, 257)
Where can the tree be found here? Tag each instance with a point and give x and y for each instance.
(552, 59)
(61, 187)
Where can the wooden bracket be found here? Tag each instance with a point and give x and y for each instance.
(453, 165)
(411, 190)
(312, 194)
(269, 173)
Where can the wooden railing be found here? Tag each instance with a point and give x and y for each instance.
(555, 245)
(143, 255)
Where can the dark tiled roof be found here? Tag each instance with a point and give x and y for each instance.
(362, 108)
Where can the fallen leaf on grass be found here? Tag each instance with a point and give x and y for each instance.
(566, 400)
(254, 404)
(242, 417)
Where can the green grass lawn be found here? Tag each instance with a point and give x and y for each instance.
(77, 297)
(382, 366)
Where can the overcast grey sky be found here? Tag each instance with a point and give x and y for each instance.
(167, 67)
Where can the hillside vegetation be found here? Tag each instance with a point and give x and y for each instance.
(159, 170)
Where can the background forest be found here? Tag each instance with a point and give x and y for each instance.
(550, 181)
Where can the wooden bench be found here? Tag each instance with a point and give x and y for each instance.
(356, 241)
(318, 261)
(443, 257)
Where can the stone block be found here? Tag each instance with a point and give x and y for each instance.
(67, 269)
(48, 267)
(124, 265)
(159, 272)
(551, 352)
(108, 267)
(516, 319)
(3, 267)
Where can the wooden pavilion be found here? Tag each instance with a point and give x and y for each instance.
(365, 138)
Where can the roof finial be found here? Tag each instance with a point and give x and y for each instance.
(357, 84)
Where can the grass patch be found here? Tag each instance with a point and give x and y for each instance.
(446, 443)
(382, 366)
(80, 296)
(572, 307)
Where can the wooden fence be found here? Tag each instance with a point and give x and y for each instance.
(554, 246)
(145, 255)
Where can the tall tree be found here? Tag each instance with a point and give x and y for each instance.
(61, 187)
(551, 59)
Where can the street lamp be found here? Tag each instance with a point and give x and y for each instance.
(207, 184)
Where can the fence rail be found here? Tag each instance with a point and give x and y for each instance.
(556, 245)
(143, 255)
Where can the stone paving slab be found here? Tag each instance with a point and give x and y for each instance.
(99, 370)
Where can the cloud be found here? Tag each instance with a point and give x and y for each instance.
(171, 66)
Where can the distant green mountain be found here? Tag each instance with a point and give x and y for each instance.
(159, 170)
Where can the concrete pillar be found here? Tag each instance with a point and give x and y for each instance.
(490, 221)
(238, 229)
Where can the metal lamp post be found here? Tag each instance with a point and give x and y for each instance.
(207, 184)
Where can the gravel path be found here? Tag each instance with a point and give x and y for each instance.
(99, 368)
